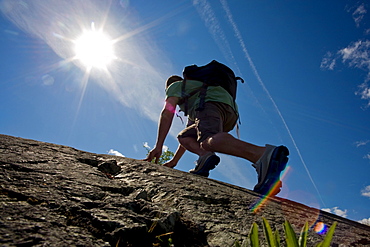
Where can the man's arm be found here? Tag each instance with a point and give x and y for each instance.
(165, 122)
(175, 159)
(179, 152)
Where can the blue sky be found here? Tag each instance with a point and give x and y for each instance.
(306, 65)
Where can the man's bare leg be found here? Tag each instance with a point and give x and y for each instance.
(227, 144)
(207, 159)
(269, 161)
(193, 146)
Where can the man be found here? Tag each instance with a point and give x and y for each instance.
(207, 133)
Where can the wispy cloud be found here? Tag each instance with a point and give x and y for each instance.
(208, 15)
(337, 211)
(359, 14)
(364, 92)
(328, 62)
(366, 191)
(139, 71)
(362, 143)
(357, 55)
(115, 153)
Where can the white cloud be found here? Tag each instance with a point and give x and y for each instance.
(364, 91)
(328, 62)
(358, 14)
(145, 144)
(337, 211)
(326, 210)
(357, 55)
(115, 153)
(366, 191)
(365, 221)
(361, 143)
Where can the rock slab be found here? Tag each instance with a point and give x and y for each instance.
(53, 195)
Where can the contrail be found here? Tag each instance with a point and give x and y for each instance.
(207, 14)
(242, 44)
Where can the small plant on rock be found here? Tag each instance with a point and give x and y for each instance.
(273, 238)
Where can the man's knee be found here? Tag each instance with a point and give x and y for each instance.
(211, 143)
(181, 140)
(206, 144)
(184, 141)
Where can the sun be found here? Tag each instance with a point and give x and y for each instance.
(94, 49)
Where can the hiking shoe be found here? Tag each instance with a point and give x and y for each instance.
(269, 167)
(205, 164)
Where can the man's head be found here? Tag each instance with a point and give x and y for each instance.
(172, 79)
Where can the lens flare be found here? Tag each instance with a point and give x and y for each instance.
(273, 188)
(320, 228)
(311, 208)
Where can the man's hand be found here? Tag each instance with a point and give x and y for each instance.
(154, 153)
(175, 159)
(170, 164)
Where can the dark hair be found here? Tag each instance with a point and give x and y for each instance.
(172, 79)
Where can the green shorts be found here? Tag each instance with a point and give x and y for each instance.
(215, 118)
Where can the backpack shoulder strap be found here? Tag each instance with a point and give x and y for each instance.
(202, 97)
(185, 96)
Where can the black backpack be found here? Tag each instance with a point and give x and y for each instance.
(211, 74)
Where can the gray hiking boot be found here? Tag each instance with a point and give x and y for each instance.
(269, 167)
(205, 164)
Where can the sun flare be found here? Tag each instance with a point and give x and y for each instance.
(94, 49)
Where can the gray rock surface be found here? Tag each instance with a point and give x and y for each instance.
(53, 195)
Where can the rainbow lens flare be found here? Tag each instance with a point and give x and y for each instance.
(320, 228)
(273, 188)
